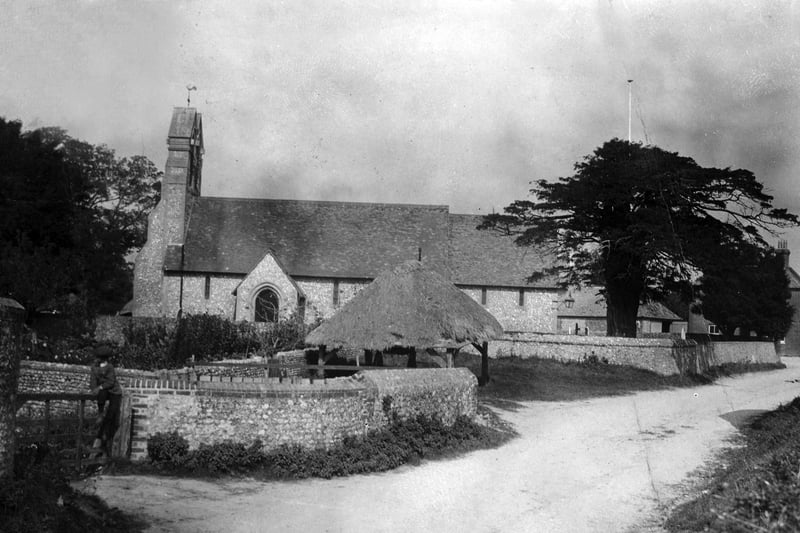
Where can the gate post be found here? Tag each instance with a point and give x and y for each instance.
(9, 379)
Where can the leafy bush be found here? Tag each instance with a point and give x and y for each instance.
(167, 447)
(225, 457)
(211, 337)
(161, 344)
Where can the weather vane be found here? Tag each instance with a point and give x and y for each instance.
(189, 89)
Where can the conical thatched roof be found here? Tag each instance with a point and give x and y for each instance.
(408, 306)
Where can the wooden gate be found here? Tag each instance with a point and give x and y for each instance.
(66, 423)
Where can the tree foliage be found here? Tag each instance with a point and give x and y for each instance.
(747, 289)
(70, 214)
(637, 219)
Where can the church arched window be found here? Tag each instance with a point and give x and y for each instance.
(267, 305)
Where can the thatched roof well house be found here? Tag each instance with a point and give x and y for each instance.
(408, 306)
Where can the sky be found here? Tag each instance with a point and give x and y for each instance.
(460, 102)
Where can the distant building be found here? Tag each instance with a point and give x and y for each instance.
(790, 345)
(587, 316)
(260, 259)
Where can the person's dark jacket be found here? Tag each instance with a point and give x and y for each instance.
(103, 376)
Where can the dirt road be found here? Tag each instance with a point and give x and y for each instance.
(611, 464)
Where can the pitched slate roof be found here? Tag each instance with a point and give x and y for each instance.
(184, 121)
(349, 240)
(794, 279)
(480, 257)
(316, 239)
(589, 304)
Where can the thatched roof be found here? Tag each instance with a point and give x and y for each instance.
(408, 306)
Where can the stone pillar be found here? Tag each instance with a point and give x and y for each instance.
(9, 378)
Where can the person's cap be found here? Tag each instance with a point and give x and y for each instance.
(103, 351)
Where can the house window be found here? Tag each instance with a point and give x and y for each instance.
(267, 305)
(336, 293)
(484, 296)
(522, 297)
(208, 287)
(713, 329)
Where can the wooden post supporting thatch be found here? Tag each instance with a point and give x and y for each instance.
(412, 357)
(321, 361)
(483, 348)
(451, 357)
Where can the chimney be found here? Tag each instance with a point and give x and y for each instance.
(783, 251)
(183, 172)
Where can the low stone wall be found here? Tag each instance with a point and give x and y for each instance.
(657, 355)
(39, 377)
(312, 415)
(317, 415)
(666, 356)
(446, 393)
(725, 352)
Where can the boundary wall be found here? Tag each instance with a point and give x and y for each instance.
(664, 356)
(319, 414)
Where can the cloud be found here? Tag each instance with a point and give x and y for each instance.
(454, 102)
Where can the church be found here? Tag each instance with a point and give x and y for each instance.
(262, 260)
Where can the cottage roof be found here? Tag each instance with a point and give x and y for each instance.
(409, 305)
(590, 304)
(348, 240)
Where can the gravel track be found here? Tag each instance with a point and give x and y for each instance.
(608, 464)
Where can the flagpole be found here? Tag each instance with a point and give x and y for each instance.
(630, 84)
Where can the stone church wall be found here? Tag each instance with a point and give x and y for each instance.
(221, 300)
(148, 271)
(319, 295)
(537, 314)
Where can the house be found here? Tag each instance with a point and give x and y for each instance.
(586, 315)
(261, 259)
(790, 345)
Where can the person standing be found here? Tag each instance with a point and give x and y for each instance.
(104, 384)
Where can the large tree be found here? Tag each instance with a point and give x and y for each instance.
(636, 219)
(71, 213)
(747, 289)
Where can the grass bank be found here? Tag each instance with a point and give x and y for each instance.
(39, 499)
(513, 379)
(754, 487)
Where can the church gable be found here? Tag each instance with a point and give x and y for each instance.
(267, 293)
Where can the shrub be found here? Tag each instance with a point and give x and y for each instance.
(167, 448)
(403, 441)
(225, 457)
